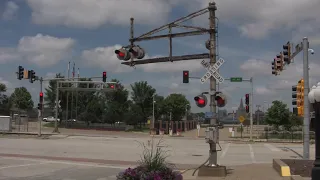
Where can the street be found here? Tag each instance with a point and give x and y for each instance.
(83, 157)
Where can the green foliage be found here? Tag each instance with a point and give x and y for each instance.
(4, 101)
(21, 99)
(142, 97)
(50, 93)
(177, 104)
(279, 115)
(154, 158)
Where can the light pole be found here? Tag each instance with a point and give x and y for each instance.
(314, 98)
(153, 119)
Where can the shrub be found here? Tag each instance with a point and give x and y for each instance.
(152, 166)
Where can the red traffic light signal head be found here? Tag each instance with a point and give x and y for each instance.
(247, 109)
(247, 99)
(104, 73)
(41, 94)
(185, 77)
(123, 54)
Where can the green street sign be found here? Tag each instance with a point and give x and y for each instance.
(236, 79)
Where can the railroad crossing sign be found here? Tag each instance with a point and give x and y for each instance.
(241, 119)
(59, 106)
(212, 71)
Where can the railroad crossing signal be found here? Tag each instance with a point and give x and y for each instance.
(212, 71)
(298, 98)
(201, 100)
(185, 76)
(221, 99)
(247, 101)
(20, 72)
(59, 106)
(125, 54)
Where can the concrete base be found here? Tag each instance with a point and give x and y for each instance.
(208, 171)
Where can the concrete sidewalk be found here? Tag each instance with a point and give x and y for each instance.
(243, 172)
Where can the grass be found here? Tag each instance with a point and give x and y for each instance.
(49, 124)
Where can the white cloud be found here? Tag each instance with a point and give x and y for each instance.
(10, 11)
(8, 55)
(263, 91)
(95, 13)
(256, 67)
(104, 57)
(267, 15)
(192, 65)
(44, 50)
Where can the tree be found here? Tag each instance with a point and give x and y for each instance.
(278, 115)
(117, 104)
(50, 93)
(177, 104)
(142, 97)
(159, 105)
(21, 98)
(4, 100)
(295, 121)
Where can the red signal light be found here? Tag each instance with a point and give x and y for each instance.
(112, 86)
(247, 95)
(104, 73)
(201, 101)
(41, 94)
(121, 54)
(186, 74)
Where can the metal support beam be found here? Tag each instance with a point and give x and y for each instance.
(306, 119)
(174, 35)
(167, 59)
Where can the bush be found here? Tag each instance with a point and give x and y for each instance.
(152, 166)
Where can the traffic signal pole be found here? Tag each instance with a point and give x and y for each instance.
(306, 119)
(213, 154)
(40, 111)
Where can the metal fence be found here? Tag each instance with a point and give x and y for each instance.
(23, 124)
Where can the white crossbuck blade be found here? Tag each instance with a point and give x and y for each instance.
(212, 71)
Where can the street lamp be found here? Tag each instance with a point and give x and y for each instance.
(153, 118)
(314, 98)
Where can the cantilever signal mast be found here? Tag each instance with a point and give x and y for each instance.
(128, 58)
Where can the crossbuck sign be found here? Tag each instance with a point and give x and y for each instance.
(212, 71)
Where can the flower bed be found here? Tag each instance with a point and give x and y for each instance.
(153, 166)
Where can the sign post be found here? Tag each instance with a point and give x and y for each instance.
(241, 119)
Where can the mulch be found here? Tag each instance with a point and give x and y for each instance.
(299, 166)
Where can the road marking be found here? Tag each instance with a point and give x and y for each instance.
(225, 151)
(65, 162)
(252, 154)
(22, 165)
(272, 148)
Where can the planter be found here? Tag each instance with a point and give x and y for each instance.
(161, 132)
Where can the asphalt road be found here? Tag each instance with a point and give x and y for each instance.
(82, 157)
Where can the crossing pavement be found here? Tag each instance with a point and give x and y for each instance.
(102, 157)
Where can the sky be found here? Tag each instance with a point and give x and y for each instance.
(44, 35)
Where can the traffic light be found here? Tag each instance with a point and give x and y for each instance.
(104, 76)
(185, 76)
(279, 62)
(137, 52)
(287, 53)
(123, 54)
(298, 98)
(221, 99)
(41, 97)
(39, 106)
(247, 102)
(274, 67)
(201, 100)
(32, 76)
(20, 72)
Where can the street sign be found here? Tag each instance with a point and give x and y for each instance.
(241, 119)
(209, 115)
(212, 71)
(236, 79)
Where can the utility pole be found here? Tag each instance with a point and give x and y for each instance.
(306, 119)
(213, 154)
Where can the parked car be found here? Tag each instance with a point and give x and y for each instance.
(71, 120)
(50, 119)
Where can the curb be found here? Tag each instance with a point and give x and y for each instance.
(28, 133)
(284, 170)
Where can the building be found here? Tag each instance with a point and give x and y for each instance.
(258, 117)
